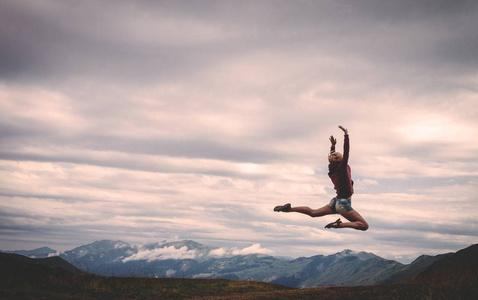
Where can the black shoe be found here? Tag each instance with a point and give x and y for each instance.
(334, 224)
(284, 208)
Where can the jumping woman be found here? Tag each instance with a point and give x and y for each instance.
(340, 174)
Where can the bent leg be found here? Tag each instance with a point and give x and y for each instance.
(326, 210)
(356, 221)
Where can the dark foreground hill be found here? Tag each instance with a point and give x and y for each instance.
(454, 272)
(453, 277)
(18, 267)
(25, 278)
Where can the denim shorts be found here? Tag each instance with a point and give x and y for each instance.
(340, 205)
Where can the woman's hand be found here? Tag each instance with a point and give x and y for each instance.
(333, 140)
(344, 129)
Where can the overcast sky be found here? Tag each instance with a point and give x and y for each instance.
(145, 121)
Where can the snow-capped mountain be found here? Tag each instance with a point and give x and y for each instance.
(92, 256)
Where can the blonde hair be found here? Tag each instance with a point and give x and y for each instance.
(335, 154)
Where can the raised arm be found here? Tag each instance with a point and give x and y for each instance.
(344, 130)
(345, 159)
(333, 141)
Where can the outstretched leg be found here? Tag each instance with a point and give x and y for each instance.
(356, 221)
(326, 210)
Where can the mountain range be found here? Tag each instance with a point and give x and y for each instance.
(189, 259)
(453, 276)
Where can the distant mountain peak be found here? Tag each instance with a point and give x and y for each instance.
(360, 254)
(104, 245)
(190, 244)
(106, 242)
(44, 249)
(348, 252)
(35, 253)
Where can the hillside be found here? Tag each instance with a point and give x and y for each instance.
(412, 270)
(458, 271)
(15, 265)
(25, 278)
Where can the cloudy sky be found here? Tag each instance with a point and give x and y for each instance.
(145, 121)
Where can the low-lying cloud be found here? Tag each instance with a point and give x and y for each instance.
(162, 254)
(172, 252)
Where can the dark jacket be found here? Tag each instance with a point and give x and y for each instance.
(340, 173)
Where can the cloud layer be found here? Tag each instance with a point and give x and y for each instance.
(150, 120)
(173, 252)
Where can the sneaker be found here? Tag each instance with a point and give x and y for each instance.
(284, 208)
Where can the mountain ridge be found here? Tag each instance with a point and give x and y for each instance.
(452, 277)
(34, 253)
(189, 259)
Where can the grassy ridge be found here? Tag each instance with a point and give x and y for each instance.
(97, 287)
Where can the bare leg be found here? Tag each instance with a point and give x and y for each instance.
(326, 210)
(356, 221)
